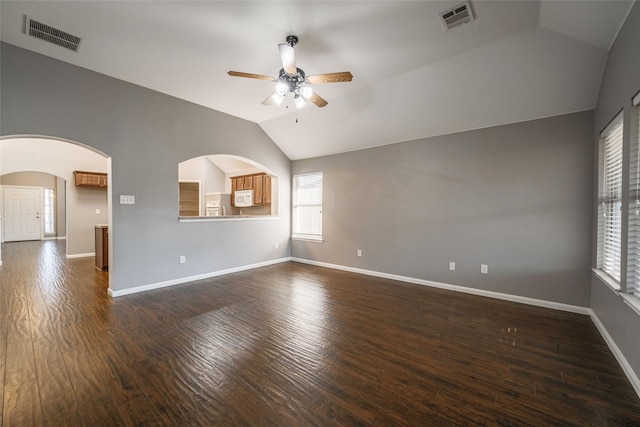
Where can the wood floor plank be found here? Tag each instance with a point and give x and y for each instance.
(290, 345)
(62, 410)
(20, 365)
(22, 405)
(53, 378)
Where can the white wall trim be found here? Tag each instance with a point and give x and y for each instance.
(88, 254)
(182, 280)
(456, 288)
(626, 368)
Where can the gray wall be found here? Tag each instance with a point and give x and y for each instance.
(620, 83)
(515, 197)
(146, 134)
(44, 180)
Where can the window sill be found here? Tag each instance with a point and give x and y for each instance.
(308, 239)
(629, 299)
(632, 301)
(607, 280)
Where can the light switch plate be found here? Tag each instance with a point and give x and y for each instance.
(127, 199)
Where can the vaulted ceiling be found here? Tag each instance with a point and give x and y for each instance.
(517, 61)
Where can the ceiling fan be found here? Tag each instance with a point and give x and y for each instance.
(292, 80)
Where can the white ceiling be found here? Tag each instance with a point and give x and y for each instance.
(519, 60)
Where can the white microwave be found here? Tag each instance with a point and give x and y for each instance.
(243, 198)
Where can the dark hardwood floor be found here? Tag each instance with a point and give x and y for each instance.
(290, 345)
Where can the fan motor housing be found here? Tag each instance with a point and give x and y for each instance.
(293, 81)
(292, 40)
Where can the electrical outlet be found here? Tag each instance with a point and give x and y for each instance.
(359, 252)
(275, 245)
(484, 269)
(452, 265)
(183, 259)
(97, 211)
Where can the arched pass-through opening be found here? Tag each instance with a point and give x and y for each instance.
(209, 184)
(85, 207)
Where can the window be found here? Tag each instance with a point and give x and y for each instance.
(610, 203)
(307, 206)
(633, 254)
(49, 211)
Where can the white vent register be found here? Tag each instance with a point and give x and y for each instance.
(456, 16)
(50, 34)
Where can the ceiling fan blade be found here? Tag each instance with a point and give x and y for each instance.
(288, 57)
(269, 99)
(250, 75)
(343, 76)
(318, 100)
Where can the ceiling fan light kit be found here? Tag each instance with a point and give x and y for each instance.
(292, 80)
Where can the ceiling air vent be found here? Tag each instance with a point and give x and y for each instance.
(52, 35)
(456, 16)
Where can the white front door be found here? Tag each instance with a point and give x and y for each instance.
(22, 213)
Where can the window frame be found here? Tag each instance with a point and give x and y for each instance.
(610, 200)
(632, 285)
(304, 234)
(49, 217)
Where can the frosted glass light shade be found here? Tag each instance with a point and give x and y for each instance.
(277, 99)
(306, 91)
(281, 88)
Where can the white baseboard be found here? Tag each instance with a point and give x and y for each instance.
(628, 370)
(181, 280)
(456, 288)
(81, 255)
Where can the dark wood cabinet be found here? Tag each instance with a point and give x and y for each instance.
(102, 247)
(90, 179)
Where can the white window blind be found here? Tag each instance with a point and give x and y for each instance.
(633, 251)
(610, 221)
(307, 206)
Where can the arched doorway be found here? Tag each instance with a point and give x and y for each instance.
(60, 157)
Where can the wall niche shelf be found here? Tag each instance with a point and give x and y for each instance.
(90, 179)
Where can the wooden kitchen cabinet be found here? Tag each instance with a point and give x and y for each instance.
(266, 200)
(248, 183)
(260, 184)
(258, 192)
(262, 190)
(90, 179)
(242, 183)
